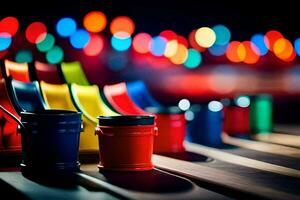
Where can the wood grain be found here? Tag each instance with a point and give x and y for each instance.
(279, 138)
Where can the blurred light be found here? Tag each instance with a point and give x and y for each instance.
(95, 21)
(252, 53)
(241, 51)
(259, 41)
(80, 39)
(121, 44)
(232, 52)
(222, 34)
(158, 45)
(141, 42)
(117, 62)
(46, 44)
(180, 55)
(168, 35)
(24, 56)
(271, 37)
(171, 48)
(242, 101)
(9, 25)
(36, 32)
(283, 49)
(66, 27)
(122, 24)
(182, 40)
(297, 46)
(218, 50)
(55, 55)
(5, 41)
(189, 115)
(193, 43)
(193, 60)
(95, 45)
(205, 37)
(225, 102)
(184, 104)
(215, 106)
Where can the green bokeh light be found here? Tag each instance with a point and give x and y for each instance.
(55, 55)
(46, 44)
(194, 59)
(24, 56)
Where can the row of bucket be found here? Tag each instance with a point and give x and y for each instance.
(125, 142)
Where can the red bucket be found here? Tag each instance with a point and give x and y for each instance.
(126, 142)
(236, 120)
(171, 126)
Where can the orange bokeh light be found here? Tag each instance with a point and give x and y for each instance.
(95, 21)
(271, 37)
(181, 55)
(251, 56)
(235, 51)
(95, 45)
(141, 43)
(9, 25)
(122, 24)
(283, 49)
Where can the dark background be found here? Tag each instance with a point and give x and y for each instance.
(244, 18)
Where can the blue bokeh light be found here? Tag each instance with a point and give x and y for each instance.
(80, 39)
(121, 44)
(5, 41)
(218, 50)
(259, 41)
(223, 34)
(158, 45)
(65, 27)
(297, 46)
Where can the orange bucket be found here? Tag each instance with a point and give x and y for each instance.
(126, 142)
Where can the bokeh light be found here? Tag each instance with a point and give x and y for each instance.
(80, 39)
(168, 35)
(171, 48)
(55, 55)
(5, 41)
(95, 21)
(271, 37)
(120, 44)
(117, 61)
(46, 44)
(283, 49)
(95, 45)
(182, 40)
(158, 45)
(261, 43)
(184, 104)
(193, 43)
(180, 55)
(252, 53)
(223, 34)
(36, 32)
(66, 27)
(242, 101)
(24, 56)
(9, 25)
(141, 43)
(122, 24)
(205, 37)
(297, 46)
(232, 52)
(218, 50)
(215, 106)
(193, 60)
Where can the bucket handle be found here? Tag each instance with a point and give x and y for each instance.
(13, 117)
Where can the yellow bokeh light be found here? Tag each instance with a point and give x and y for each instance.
(171, 48)
(241, 52)
(205, 37)
(180, 56)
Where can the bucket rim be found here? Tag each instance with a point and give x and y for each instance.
(49, 113)
(126, 120)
